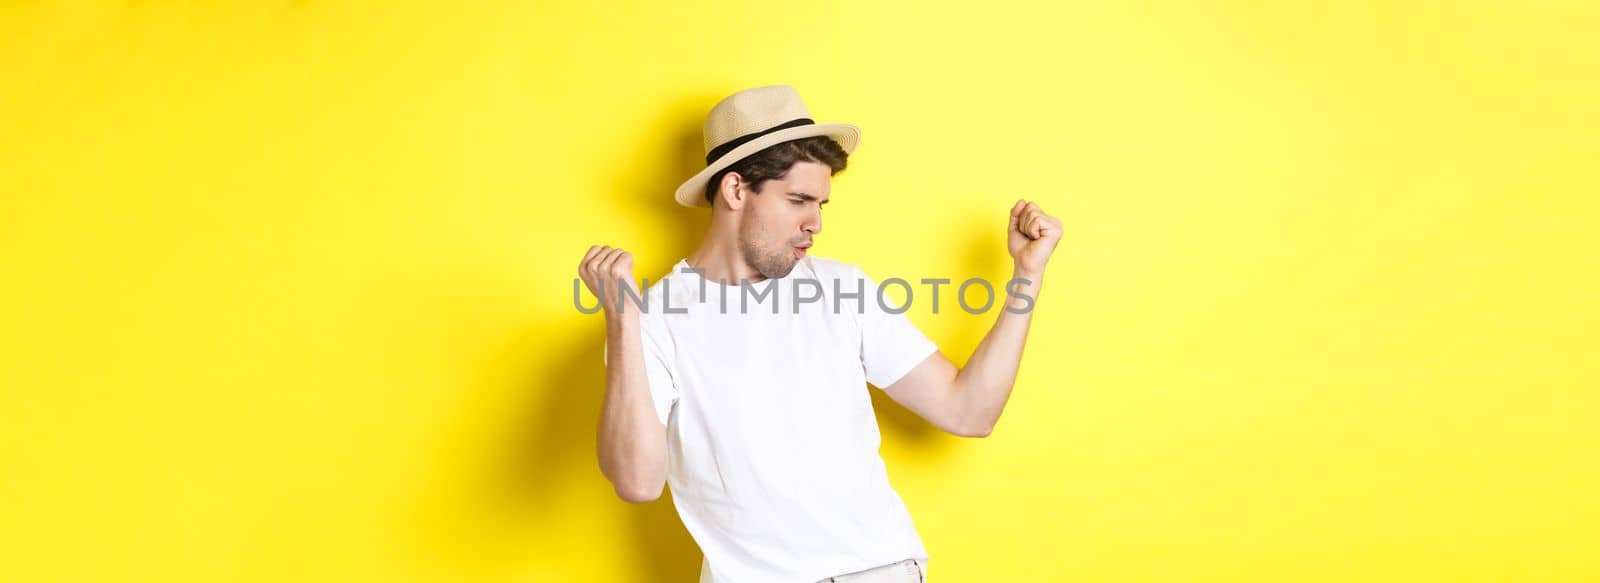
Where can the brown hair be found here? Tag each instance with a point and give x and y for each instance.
(775, 161)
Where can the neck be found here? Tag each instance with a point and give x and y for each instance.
(718, 259)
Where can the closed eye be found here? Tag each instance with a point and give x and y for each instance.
(802, 198)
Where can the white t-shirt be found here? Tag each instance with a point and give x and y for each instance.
(771, 437)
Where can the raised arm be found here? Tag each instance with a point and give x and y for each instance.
(968, 401)
(632, 442)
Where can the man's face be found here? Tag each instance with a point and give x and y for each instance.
(783, 218)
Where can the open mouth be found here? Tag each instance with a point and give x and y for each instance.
(799, 252)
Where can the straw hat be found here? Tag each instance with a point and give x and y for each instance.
(747, 122)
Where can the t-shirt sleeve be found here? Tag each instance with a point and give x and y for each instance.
(663, 392)
(891, 345)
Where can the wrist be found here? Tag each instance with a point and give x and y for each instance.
(622, 322)
(1019, 272)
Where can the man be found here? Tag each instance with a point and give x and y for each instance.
(759, 418)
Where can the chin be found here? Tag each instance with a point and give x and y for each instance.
(782, 271)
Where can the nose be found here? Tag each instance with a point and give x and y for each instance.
(813, 223)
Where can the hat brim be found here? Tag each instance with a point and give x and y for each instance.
(692, 193)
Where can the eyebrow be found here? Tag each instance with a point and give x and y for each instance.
(807, 197)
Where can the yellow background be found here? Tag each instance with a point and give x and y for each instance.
(286, 287)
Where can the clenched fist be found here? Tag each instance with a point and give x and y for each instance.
(603, 270)
(1032, 237)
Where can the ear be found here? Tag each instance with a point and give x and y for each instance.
(732, 191)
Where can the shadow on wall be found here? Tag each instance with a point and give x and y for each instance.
(984, 259)
(555, 450)
(560, 438)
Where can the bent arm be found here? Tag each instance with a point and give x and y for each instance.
(632, 442)
(967, 401)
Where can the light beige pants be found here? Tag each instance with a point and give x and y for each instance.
(907, 571)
